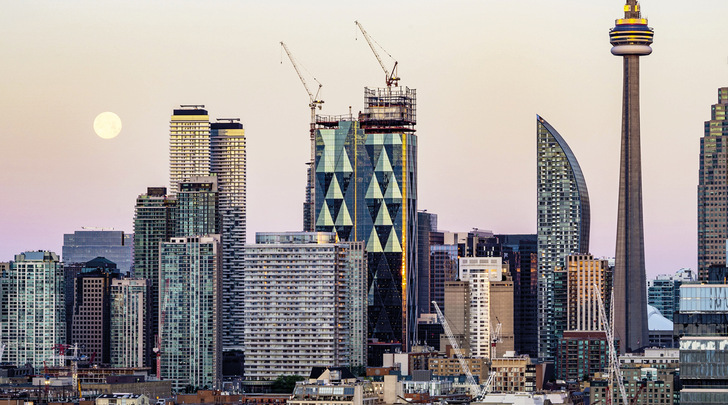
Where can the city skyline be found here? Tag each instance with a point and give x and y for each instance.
(58, 72)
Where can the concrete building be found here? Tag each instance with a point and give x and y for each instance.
(491, 303)
(124, 399)
(90, 243)
(584, 272)
(197, 212)
(305, 305)
(563, 226)
(366, 190)
(130, 322)
(153, 224)
(228, 163)
(630, 39)
(712, 190)
(189, 144)
(457, 313)
(450, 366)
(513, 374)
(190, 311)
(33, 308)
(663, 293)
(91, 314)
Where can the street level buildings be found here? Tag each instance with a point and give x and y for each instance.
(33, 308)
(305, 304)
(712, 189)
(630, 39)
(190, 311)
(564, 216)
(366, 190)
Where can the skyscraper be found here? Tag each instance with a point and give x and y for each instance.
(366, 190)
(189, 144)
(584, 272)
(190, 300)
(33, 308)
(197, 212)
(153, 223)
(712, 189)
(563, 226)
(130, 317)
(91, 314)
(306, 304)
(630, 38)
(227, 162)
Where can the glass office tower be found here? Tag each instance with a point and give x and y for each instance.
(366, 188)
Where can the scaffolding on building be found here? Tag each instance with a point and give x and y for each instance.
(389, 109)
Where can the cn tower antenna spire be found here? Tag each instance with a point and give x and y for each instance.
(632, 9)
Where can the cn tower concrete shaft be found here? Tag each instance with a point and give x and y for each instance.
(631, 38)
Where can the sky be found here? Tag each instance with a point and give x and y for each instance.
(483, 70)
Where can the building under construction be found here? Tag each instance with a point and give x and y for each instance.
(366, 189)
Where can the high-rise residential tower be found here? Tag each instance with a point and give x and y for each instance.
(712, 188)
(563, 226)
(227, 162)
(630, 38)
(189, 319)
(130, 317)
(33, 308)
(189, 144)
(366, 190)
(153, 224)
(306, 304)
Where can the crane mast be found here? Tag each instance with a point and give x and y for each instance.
(614, 371)
(314, 102)
(391, 78)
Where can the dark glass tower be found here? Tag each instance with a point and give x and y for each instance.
(366, 190)
(631, 38)
(712, 195)
(564, 218)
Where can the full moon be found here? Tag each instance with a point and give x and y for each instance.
(107, 125)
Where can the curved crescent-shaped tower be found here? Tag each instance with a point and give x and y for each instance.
(630, 38)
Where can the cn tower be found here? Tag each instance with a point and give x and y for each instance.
(630, 38)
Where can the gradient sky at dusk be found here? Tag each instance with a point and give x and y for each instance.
(482, 70)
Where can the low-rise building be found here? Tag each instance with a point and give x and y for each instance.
(513, 374)
(122, 399)
(334, 385)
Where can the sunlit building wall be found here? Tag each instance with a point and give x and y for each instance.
(189, 144)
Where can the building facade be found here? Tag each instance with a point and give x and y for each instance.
(585, 272)
(197, 211)
(491, 303)
(228, 163)
(189, 144)
(88, 244)
(581, 354)
(366, 190)
(91, 314)
(457, 312)
(130, 322)
(190, 311)
(712, 190)
(563, 225)
(33, 308)
(306, 304)
(154, 215)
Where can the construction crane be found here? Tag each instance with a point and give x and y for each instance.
(391, 77)
(74, 359)
(614, 371)
(495, 337)
(314, 103)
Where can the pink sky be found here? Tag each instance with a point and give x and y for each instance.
(482, 69)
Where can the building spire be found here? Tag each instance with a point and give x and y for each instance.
(632, 9)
